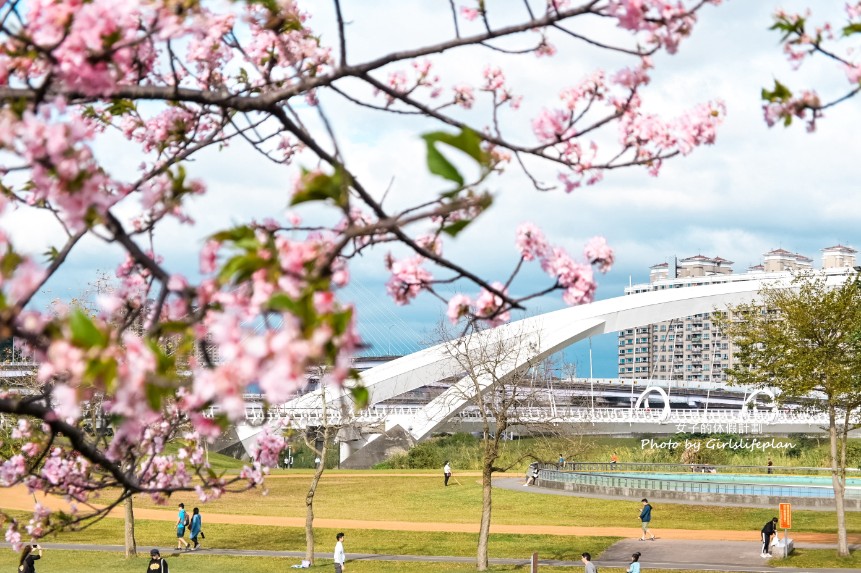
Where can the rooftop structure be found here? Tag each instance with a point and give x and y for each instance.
(690, 348)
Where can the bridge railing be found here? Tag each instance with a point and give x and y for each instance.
(712, 420)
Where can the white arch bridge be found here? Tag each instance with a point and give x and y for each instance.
(517, 346)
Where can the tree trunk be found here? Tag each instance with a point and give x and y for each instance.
(131, 546)
(486, 506)
(309, 503)
(838, 479)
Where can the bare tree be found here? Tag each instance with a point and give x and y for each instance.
(318, 441)
(501, 381)
(131, 544)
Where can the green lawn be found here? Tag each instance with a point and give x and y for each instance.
(819, 558)
(160, 534)
(87, 561)
(422, 497)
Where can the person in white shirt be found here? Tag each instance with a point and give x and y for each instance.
(446, 471)
(340, 556)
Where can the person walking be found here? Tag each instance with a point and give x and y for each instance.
(634, 567)
(588, 566)
(531, 474)
(194, 528)
(156, 563)
(561, 462)
(339, 556)
(646, 518)
(770, 466)
(536, 471)
(446, 472)
(182, 521)
(769, 529)
(27, 563)
(614, 459)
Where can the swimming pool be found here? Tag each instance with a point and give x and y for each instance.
(760, 479)
(762, 489)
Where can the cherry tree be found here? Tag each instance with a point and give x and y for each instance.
(177, 79)
(802, 40)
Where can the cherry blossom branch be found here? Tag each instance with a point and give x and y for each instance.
(265, 101)
(120, 235)
(378, 210)
(342, 38)
(603, 46)
(56, 263)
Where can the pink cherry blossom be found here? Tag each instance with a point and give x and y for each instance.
(469, 13)
(458, 306)
(531, 242)
(490, 306)
(598, 252)
(209, 256)
(408, 279)
(27, 278)
(464, 96)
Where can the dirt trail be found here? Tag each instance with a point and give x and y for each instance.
(17, 498)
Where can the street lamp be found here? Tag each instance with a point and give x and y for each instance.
(591, 380)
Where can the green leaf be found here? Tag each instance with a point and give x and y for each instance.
(51, 254)
(780, 93)
(121, 107)
(456, 227)
(439, 165)
(85, 334)
(466, 141)
(340, 321)
(853, 28)
(280, 302)
(360, 396)
(154, 395)
(240, 268)
(321, 187)
(235, 234)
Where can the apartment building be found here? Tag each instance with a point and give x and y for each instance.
(691, 348)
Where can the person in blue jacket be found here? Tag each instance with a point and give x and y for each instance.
(195, 527)
(646, 517)
(181, 523)
(634, 567)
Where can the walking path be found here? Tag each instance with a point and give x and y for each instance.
(658, 555)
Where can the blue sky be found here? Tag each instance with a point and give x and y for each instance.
(755, 190)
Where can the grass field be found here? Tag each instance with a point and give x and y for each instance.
(87, 561)
(412, 496)
(816, 558)
(161, 534)
(421, 497)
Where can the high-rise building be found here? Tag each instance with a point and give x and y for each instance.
(691, 348)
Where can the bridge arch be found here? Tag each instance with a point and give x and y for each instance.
(665, 411)
(549, 333)
(751, 399)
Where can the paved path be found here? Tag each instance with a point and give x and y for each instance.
(656, 555)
